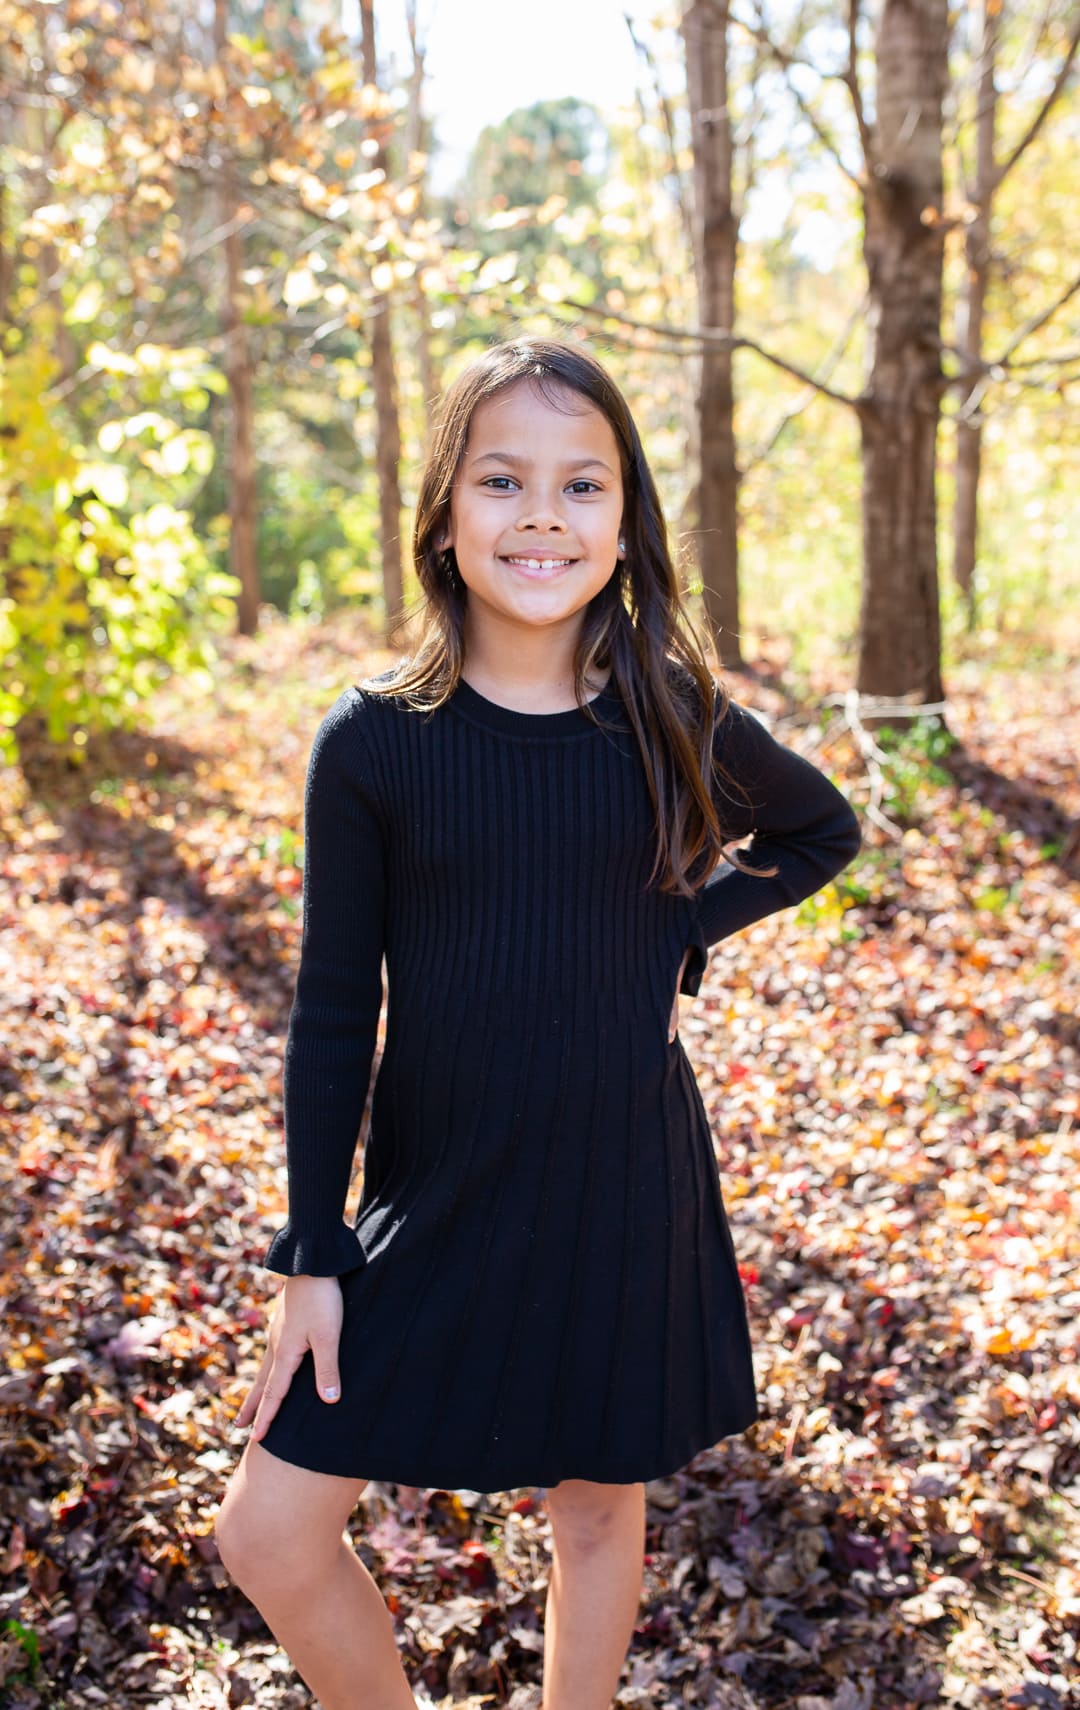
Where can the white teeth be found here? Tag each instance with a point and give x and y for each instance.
(542, 563)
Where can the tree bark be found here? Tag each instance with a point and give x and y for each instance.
(240, 431)
(899, 410)
(7, 262)
(416, 143)
(387, 420)
(716, 233)
(972, 301)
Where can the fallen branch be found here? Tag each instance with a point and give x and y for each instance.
(875, 757)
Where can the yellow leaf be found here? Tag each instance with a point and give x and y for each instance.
(86, 304)
(175, 455)
(300, 287)
(108, 481)
(111, 436)
(152, 358)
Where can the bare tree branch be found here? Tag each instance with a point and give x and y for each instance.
(1037, 321)
(806, 398)
(60, 127)
(850, 76)
(785, 60)
(713, 335)
(1039, 27)
(683, 195)
(744, 134)
(1056, 359)
(978, 374)
(1037, 122)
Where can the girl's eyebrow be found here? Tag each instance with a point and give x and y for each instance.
(526, 462)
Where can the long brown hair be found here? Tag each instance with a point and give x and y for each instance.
(636, 625)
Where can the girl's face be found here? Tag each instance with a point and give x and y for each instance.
(536, 509)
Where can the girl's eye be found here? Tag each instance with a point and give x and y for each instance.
(592, 486)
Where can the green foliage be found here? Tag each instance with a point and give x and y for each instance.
(97, 602)
(911, 756)
(925, 741)
(560, 204)
(557, 149)
(283, 846)
(318, 551)
(317, 539)
(30, 1644)
(827, 910)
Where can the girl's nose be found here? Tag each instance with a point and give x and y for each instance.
(542, 518)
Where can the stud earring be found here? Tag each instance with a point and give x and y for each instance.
(622, 546)
(448, 565)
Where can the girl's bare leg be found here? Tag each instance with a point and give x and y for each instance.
(594, 1592)
(279, 1534)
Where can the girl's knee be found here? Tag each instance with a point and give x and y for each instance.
(255, 1543)
(277, 1528)
(584, 1515)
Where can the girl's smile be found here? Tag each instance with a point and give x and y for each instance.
(540, 566)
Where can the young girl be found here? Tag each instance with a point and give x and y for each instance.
(540, 1288)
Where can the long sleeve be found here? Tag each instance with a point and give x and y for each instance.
(801, 825)
(335, 1015)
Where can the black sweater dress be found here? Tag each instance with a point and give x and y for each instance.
(541, 1282)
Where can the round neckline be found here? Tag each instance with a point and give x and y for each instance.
(570, 722)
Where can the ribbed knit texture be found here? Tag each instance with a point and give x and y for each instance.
(541, 1282)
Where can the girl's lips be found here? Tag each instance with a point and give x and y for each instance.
(540, 569)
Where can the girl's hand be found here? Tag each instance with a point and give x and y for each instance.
(307, 1314)
(673, 1024)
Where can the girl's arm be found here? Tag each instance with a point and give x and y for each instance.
(335, 1014)
(801, 825)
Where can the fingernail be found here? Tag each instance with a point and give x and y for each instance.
(330, 1394)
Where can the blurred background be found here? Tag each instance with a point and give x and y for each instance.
(830, 260)
(830, 255)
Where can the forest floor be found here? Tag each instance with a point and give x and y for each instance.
(892, 1076)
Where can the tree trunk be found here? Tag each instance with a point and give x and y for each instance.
(387, 422)
(240, 433)
(716, 233)
(903, 243)
(7, 263)
(47, 262)
(969, 331)
(416, 143)
(671, 276)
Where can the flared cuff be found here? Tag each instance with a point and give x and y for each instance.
(696, 961)
(330, 1253)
